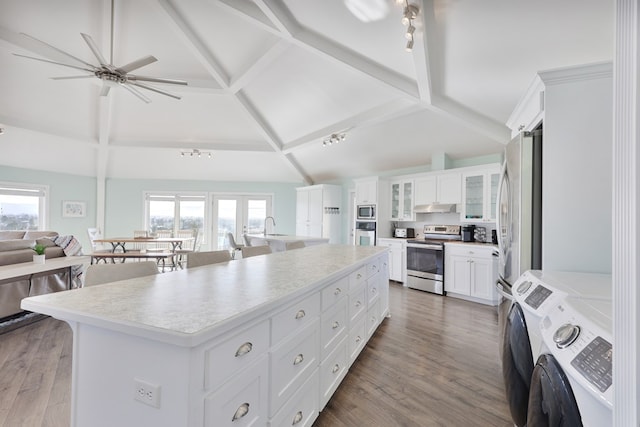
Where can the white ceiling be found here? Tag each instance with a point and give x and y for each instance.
(270, 79)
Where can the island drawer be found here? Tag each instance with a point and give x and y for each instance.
(292, 363)
(357, 304)
(241, 402)
(302, 409)
(294, 317)
(373, 289)
(374, 319)
(231, 354)
(357, 278)
(335, 292)
(332, 371)
(333, 327)
(357, 339)
(373, 267)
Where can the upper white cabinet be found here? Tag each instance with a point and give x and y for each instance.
(402, 200)
(440, 188)
(479, 193)
(367, 191)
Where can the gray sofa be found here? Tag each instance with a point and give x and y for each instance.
(17, 247)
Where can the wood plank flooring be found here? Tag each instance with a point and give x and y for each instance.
(433, 363)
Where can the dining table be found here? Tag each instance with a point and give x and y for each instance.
(120, 242)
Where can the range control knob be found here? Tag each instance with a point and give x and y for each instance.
(565, 335)
(523, 287)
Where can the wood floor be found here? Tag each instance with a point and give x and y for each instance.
(433, 363)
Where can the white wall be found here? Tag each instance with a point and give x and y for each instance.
(577, 182)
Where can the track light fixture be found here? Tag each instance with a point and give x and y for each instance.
(196, 153)
(409, 14)
(334, 138)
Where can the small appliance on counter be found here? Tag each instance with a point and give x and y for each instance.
(468, 232)
(480, 234)
(400, 232)
(411, 233)
(494, 237)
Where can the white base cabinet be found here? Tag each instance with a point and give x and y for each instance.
(397, 258)
(471, 272)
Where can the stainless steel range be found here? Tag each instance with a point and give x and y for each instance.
(425, 258)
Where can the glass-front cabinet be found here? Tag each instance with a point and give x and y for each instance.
(479, 194)
(402, 200)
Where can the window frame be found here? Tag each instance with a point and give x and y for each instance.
(177, 197)
(25, 189)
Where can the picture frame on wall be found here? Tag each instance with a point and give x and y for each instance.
(73, 209)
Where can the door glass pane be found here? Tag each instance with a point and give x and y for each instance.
(19, 212)
(227, 214)
(161, 215)
(474, 202)
(256, 213)
(192, 214)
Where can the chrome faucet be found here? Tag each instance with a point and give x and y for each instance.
(265, 223)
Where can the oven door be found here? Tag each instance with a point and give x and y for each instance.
(425, 267)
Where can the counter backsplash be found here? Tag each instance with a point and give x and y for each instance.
(444, 218)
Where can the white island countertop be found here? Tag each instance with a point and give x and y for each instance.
(191, 306)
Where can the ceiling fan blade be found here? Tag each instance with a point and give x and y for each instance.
(136, 92)
(58, 63)
(105, 89)
(72, 77)
(59, 51)
(133, 78)
(136, 64)
(151, 88)
(94, 48)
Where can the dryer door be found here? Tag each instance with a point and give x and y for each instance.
(551, 400)
(517, 364)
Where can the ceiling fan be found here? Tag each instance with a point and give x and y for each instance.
(109, 73)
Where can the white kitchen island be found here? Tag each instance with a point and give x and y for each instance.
(278, 242)
(258, 341)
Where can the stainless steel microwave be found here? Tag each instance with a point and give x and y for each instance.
(367, 212)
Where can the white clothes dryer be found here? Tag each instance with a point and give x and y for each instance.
(535, 294)
(573, 375)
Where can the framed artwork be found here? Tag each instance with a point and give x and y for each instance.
(73, 209)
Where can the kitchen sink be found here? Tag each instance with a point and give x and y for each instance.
(275, 234)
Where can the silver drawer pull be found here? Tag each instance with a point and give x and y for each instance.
(358, 339)
(298, 360)
(335, 369)
(241, 411)
(337, 291)
(335, 325)
(300, 314)
(358, 276)
(244, 349)
(358, 304)
(297, 418)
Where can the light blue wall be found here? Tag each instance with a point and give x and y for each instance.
(124, 204)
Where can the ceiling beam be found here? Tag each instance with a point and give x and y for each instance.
(259, 65)
(222, 145)
(192, 42)
(423, 47)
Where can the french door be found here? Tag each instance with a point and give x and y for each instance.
(238, 214)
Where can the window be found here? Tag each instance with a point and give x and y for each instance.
(22, 206)
(175, 211)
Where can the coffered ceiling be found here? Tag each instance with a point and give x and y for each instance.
(269, 80)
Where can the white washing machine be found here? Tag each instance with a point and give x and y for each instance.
(577, 339)
(535, 294)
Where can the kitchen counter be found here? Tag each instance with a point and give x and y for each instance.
(265, 339)
(278, 242)
(460, 242)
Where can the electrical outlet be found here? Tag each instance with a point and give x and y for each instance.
(146, 392)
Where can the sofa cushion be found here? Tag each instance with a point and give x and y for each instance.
(8, 235)
(47, 243)
(16, 244)
(32, 234)
(17, 256)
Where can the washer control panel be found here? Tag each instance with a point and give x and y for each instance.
(538, 296)
(594, 363)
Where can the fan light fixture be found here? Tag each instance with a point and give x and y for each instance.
(195, 153)
(367, 10)
(334, 138)
(410, 13)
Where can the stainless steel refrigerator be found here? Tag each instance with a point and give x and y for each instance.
(519, 218)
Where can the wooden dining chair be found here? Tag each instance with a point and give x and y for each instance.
(188, 246)
(249, 251)
(98, 274)
(197, 259)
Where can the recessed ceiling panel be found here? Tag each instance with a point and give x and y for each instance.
(494, 48)
(303, 92)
